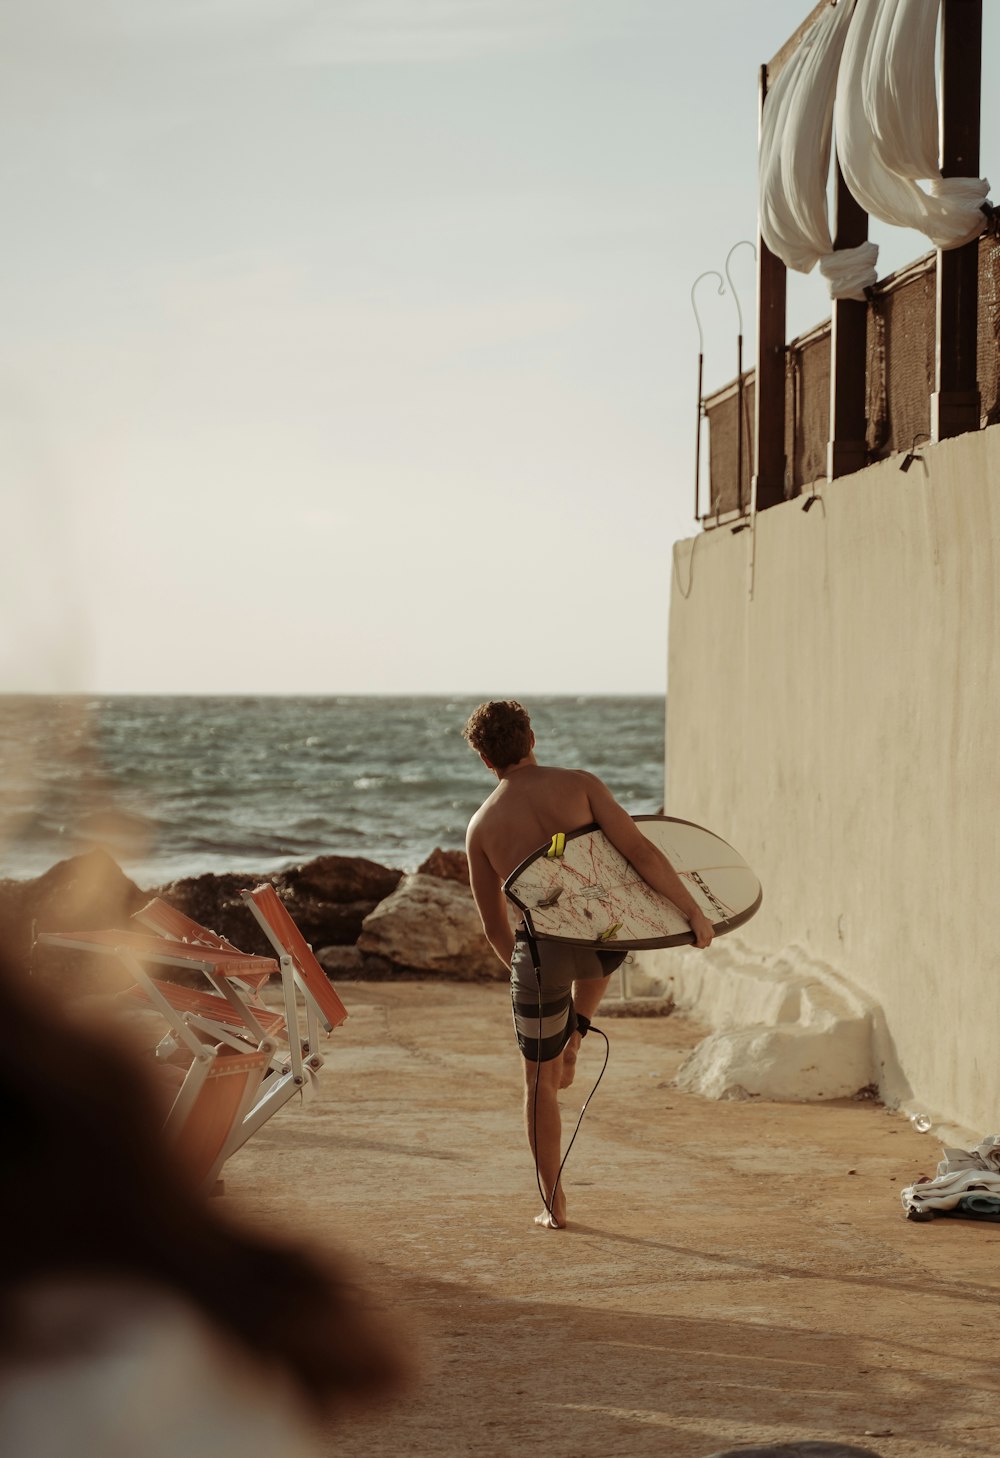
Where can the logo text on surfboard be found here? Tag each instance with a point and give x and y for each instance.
(709, 895)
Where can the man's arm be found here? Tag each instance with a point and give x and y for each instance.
(491, 903)
(651, 863)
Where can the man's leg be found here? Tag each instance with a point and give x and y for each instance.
(587, 994)
(542, 1003)
(544, 1128)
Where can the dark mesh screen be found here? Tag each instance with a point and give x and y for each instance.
(807, 411)
(989, 330)
(726, 449)
(900, 379)
(900, 365)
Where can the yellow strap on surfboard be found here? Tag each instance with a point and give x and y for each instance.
(557, 847)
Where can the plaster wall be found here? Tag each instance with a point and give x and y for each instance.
(833, 711)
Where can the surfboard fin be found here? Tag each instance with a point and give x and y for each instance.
(610, 932)
(557, 846)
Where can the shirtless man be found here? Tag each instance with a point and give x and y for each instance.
(529, 805)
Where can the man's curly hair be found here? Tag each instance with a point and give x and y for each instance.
(500, 731)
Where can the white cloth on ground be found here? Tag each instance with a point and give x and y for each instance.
(986, 1155)
(945, 1191)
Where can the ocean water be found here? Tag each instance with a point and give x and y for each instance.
(178, 786)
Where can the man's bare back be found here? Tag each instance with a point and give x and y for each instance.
(526, 809)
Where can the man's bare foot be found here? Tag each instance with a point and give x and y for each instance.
(547, 1221)
(569, 1053)
(554, 1218)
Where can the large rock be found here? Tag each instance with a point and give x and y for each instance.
(449, 865)
(343, 880)
(341, 963)
(430, 925)
(328, 899)
(89, 892)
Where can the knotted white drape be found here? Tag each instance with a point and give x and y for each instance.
(886, 119)
(795, 143)
(865, 68)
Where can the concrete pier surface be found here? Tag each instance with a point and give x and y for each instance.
(733, 1273)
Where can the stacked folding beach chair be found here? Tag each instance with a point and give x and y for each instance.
(246, 1060)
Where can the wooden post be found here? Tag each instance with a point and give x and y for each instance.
(848, 349)
(769, 401)
(955, 404)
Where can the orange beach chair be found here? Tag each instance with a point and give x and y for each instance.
(166, 921)
(235, 1007)
(298, 962)
(206, 1121)
(299, 1058)
(137, 951)
(247, 1060)
(216, 1016)
(294, 1064)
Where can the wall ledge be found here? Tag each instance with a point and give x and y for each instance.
(785, 1027)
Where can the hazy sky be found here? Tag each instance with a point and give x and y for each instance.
(348, 347)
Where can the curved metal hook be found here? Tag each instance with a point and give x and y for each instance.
(814, 495)
(744, 242)
(709, 273)
(913, 453)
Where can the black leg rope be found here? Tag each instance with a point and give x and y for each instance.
(583, 1027)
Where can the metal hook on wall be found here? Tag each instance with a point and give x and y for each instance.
(913, 454)
(814, 496)
(743, 243)
(709, 273)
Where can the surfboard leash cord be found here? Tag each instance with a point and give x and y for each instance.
(607, 1054)
(537, 966)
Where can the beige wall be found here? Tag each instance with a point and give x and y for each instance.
(834, 711)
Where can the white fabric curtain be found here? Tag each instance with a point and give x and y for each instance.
(795, 142)
(886, 119)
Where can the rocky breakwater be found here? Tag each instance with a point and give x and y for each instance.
(328, 899)
(363, 919)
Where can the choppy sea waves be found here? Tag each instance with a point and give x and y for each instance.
(178, 786)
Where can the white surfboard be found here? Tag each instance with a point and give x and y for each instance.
(579, 889)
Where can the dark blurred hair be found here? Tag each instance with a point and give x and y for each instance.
(89, 1186)
(501, 731)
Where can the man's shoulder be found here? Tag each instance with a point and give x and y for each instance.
(480, 815)
(558, 769)
(571, 776)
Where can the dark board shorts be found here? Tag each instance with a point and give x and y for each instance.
(551, 1003)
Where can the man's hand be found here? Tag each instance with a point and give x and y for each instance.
(646, 858)
(704, 932)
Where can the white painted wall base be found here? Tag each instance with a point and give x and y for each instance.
(786, 1029)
